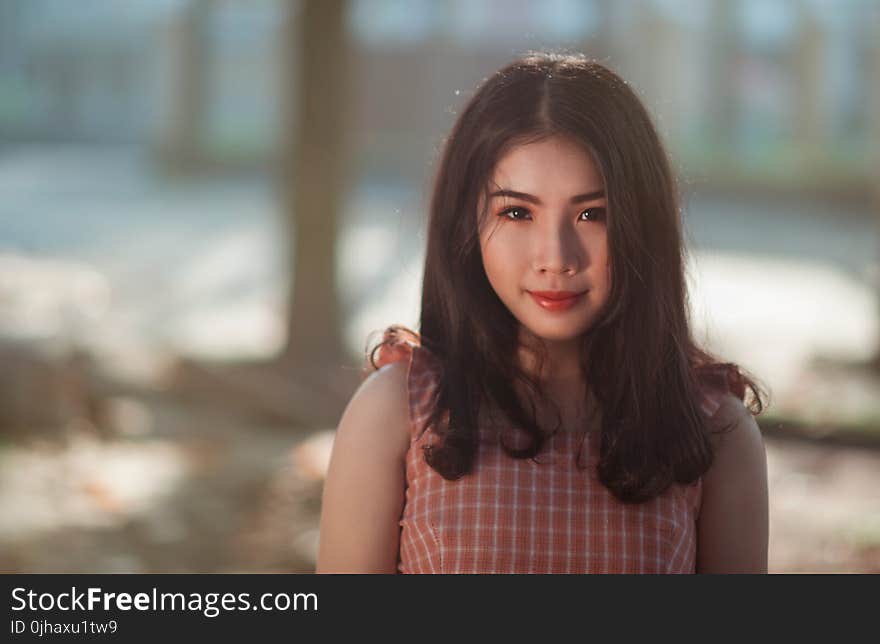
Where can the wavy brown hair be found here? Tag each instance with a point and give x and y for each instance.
(644, 368)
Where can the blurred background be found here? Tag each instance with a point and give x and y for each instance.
(206, 207)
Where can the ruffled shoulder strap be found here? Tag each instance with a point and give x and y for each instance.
(423, 372)
(715, 382)
(710, 401)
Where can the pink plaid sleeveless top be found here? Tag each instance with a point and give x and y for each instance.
(541, 515)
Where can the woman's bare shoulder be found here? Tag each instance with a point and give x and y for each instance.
(731, 423)
(364, 492)
(378, 412)
(736, 440)
(733, 522)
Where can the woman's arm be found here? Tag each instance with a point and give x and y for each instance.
(732, 529)
(364, 491)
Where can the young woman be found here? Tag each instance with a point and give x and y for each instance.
(554, 413)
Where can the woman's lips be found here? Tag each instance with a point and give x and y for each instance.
(556, 300)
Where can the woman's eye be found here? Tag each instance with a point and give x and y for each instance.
(515, 213)
(592, 214)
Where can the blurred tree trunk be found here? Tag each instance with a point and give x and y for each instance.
(304, 385)
(187, 38)
(314, 177)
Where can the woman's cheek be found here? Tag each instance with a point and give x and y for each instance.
(502, 248)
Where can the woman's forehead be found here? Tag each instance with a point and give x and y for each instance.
(553, 165)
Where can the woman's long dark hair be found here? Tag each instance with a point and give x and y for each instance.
(641, 363)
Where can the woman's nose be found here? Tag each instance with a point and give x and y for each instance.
(557, 251)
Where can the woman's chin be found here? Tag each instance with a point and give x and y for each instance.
(556, 334)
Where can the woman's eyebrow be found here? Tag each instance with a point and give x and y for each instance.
(588, 196)
(524, 196)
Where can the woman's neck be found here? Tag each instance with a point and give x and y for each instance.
(562, 380)
(561, 360)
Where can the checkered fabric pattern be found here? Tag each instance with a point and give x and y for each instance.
(542, 515)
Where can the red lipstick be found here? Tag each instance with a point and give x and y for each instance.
(556, 300)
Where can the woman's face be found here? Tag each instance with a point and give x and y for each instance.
(544, 241)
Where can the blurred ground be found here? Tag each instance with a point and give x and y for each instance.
(202, 490)
(824, 507)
